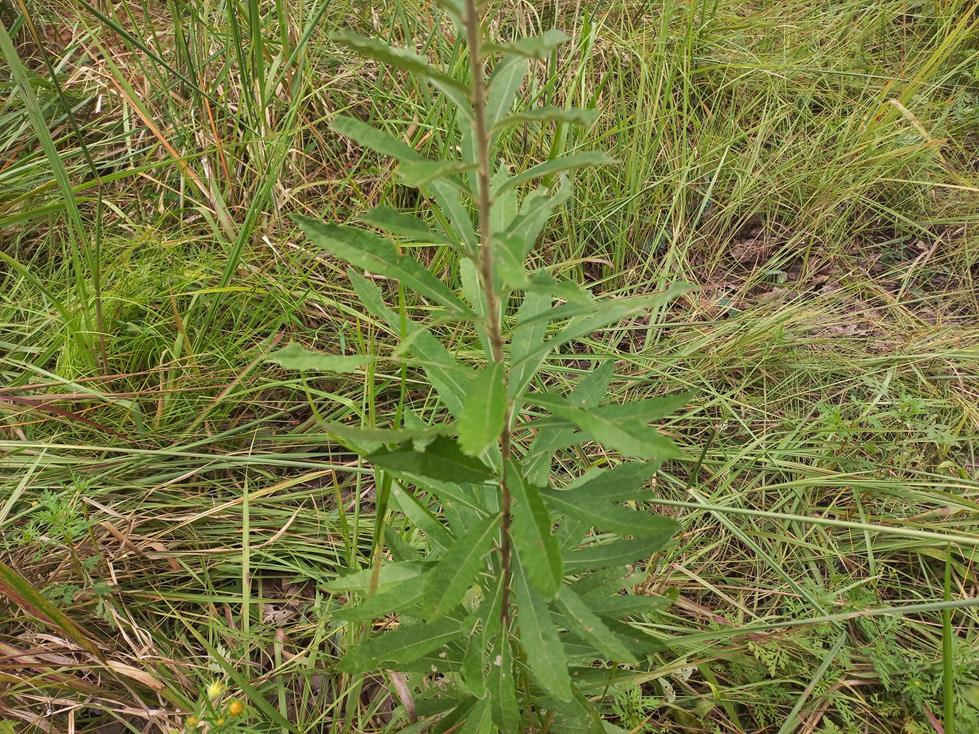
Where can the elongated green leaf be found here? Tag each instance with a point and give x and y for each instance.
(557, 165)
(603, 313)
(527, 337)
(588, 392)
(570, 116)
(538, 206)
(479, 720)
(20, 593)
(538, 47)
(614, 553)
(537, 547)
(503, 693)
(624, 482)
(441, 460)
(645, 410)
(473, 667)
(447, 583)
(617, 606)
(409, 61)
(421, 516)
(545, 655)
(402, 224)
(400, 646)
(417, 174)
(294, 357)
(606, 516)
(508, 266)
(370, 137)
(631, 438)
(396, 599)
(587, 625)
(448, 376)
(391, 573)
(366, 440)
(366, 250)
(483, 411)
(507, 77)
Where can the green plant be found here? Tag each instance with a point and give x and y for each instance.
(518, 616)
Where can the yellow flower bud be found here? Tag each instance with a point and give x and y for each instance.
(236, 708)
(214, 690)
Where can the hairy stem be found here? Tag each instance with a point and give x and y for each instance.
(494, 330)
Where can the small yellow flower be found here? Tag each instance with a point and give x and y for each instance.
(192, 722)
(236, 708)
(214, 690)
(219, 721)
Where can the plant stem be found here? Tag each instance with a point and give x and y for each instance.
(493, 327)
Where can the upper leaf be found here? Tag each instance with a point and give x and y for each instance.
(446, 584)
(567, 115)
(483, 410)
(545, 654)
(374, 139)
(556, 165)
(537, 548)
(441, 460)
(537, 47)
(366, 250)
(400, 646)
(608, 516)
(401, 223)
(589, 626)
(409, 61)
(294, 357)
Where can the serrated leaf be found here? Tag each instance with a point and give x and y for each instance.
(441, 460)
(367, 251)
(365, 440)
(588, 392)
(630, 438)
(538, 47)
(370, 137)
(557, 165)
(402, 224)
(391, 573)
(409, 61)
(587, 625)
(479, 720)
(483, 410)
(295, 357)
(400, 646)
(421, 517)
(502, 692)
(623, 482)
(537, 547)
(614, 553)
(417, 174)
(606, 516)
(546, 658)
(538, 206)
(570, 116)
(505, 82)
(527, 336)
(448, 376)
(398, 598)
(645, 410)
(446, 584)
